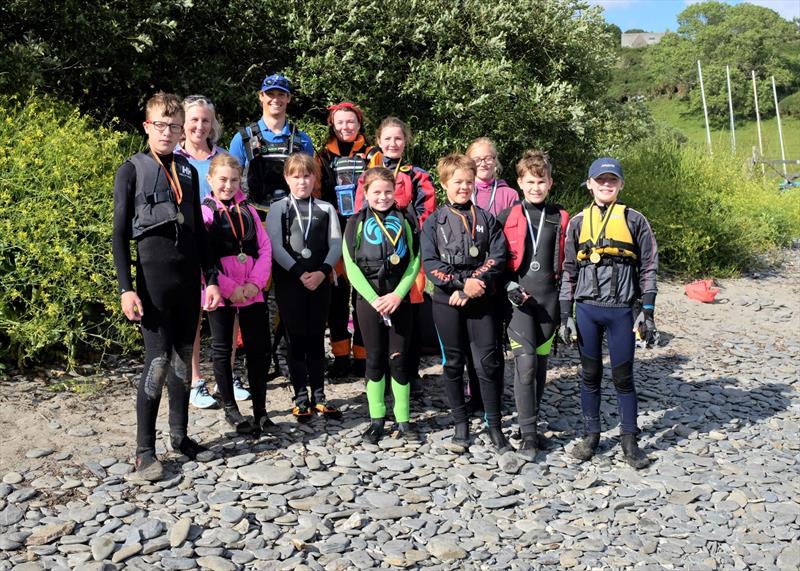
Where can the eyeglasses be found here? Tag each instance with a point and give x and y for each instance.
(160, 126)
(189, 99)
(487, 159)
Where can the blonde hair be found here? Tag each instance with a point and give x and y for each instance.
(498, 166)
(301, 163)
(375, 174)
(168, 103)
(204, 103)
(535, 162)
(451, 163)
(222, 160)
(393, 122)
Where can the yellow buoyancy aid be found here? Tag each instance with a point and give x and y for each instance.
(605, 235)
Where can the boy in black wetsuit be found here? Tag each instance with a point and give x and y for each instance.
(157, 205)
(464, 253)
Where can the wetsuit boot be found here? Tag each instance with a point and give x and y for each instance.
(585, 449)
(634, 455)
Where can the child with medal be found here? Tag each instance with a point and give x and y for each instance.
(306, 245)
(381, 258)
(610, 264)
(240, 242)
(534, 232)
(464, 254)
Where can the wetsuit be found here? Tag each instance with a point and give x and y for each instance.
(604, 293)
(460, 242)
(534, 323)
(342, 164)
(171, 247)
(377, 267)
(242, 246)
(303, 311)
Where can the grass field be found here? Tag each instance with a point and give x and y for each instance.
(673, 113)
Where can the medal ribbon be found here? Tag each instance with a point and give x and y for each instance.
(491, 198)
(534, 237)
(394, 240)
(606, 218)
(173, 182)
(464, 220)
(300, 218)
(241, 223)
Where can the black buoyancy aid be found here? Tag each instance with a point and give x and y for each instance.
(293, 239)
(221, 237)
(155, 203)
(347, 169)
(455, 241)
(373, 250)
(516, 232)
(265, 180)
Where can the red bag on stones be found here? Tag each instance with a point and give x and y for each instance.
(702, 290)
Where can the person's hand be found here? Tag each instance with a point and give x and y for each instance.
(568, 332)
(250, 290)
(387, 304)
(474, 287)
(213, 298)
(646, 325)
(458, 299)
(238, 295)
(131, 306)
(311, 280)
(516, 294)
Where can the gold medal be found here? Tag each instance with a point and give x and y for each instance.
(474, 251)
(594, 257)
(179, 217)
(242, 257)
(394, 259)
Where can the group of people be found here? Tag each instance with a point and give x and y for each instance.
(355, 225)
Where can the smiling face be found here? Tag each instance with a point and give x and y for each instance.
(274, 103)
(605, 188)
(459, 186)
(535, 188)
(198, 124)
(225, 182)
(346, 125)
(380, 195)
(162, 142)
(486, 161)
(392, 142)
(301, 183)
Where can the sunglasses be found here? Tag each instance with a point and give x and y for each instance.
(190, 99)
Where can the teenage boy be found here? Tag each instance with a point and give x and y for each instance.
(157, 205)
(611, 260)
(263, 147)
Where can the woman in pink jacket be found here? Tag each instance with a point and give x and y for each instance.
(245, 257)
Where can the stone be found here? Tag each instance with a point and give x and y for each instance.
(38, 452)
(446, 548)
(267, 474)
(510, 462)
(569, 559)
(789, 557)
(49, 533)
(179, 532)
(216, 563)
(12, 478)
(10, 515)
(381, 499)
(392, 512)
(102, 547)
(126, 551)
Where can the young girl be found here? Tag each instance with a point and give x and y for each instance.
(243, 248)
(463, 253)
(414, 194)
(342, 161)
(534, 232)
(382, 261)
(611, 259)
(306, 245)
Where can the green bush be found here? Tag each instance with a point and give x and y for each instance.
(710, 214)
(57, 282)
(790, 106)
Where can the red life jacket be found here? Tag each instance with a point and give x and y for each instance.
(516, 228)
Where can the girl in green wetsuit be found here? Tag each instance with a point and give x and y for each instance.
(381, 257)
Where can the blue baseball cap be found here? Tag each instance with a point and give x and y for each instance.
(606, 165)
(276, 81)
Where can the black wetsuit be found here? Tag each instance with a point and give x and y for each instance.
(168, 264)
(304, 312)
(445, 246)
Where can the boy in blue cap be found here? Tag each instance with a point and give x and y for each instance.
(263, 147)
(611, 260)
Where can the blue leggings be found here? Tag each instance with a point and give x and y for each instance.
(617, 322)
